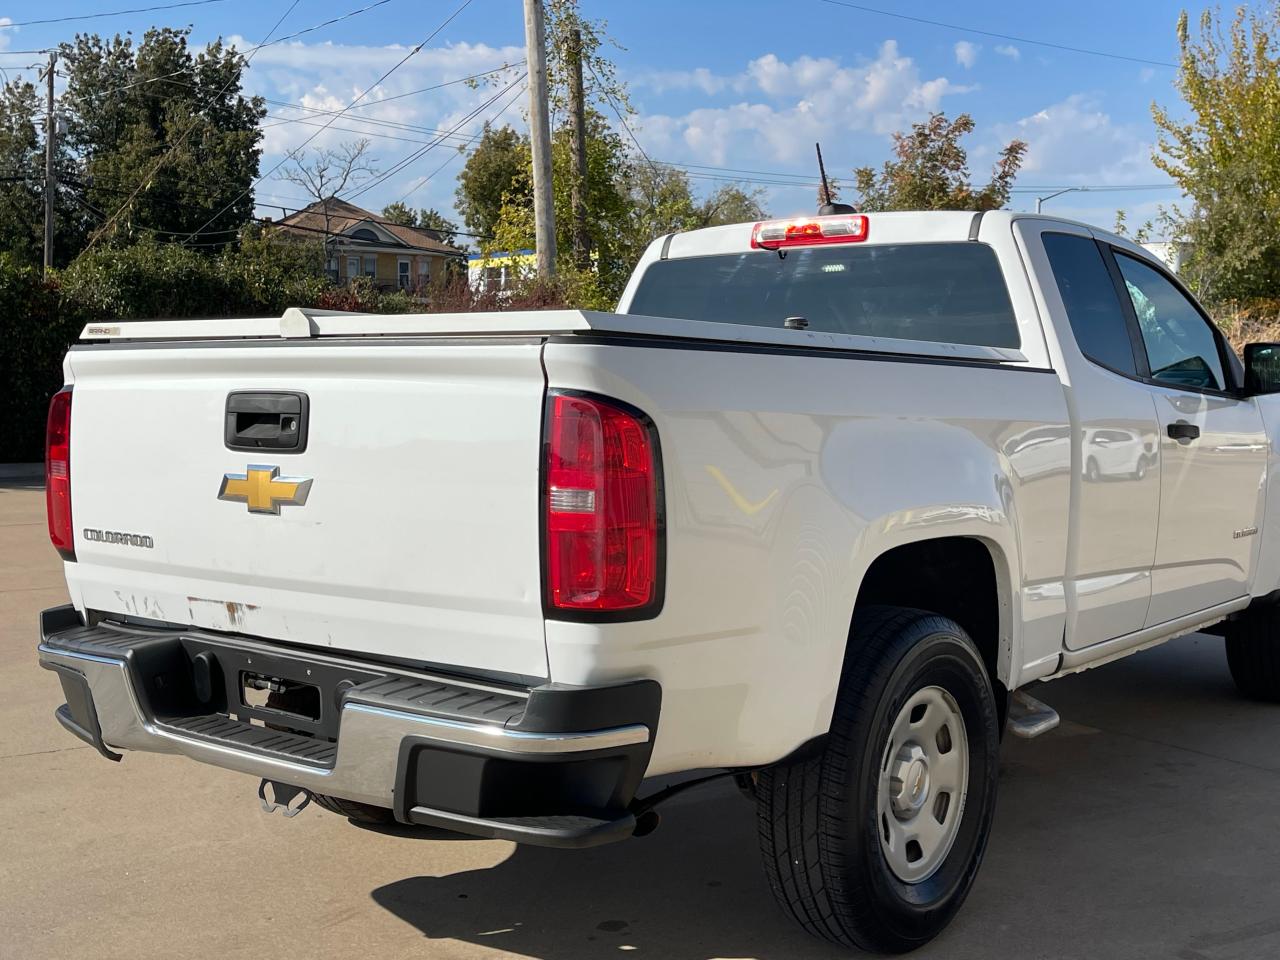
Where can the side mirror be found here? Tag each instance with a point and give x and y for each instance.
(1262, 367)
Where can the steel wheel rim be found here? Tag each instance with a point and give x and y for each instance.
(923, 783)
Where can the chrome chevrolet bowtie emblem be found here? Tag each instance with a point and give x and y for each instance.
(263, 489)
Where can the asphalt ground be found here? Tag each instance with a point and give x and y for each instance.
(1146, 826)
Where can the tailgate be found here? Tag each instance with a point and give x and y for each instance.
(418, 537)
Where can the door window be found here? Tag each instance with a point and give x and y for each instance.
(1093, 309)
(1181, 346)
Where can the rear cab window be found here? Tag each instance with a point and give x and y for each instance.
(933, 292)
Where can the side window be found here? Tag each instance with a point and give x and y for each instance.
(1097, 320)
(1181, 346)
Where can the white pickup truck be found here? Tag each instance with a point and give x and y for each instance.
(807, 509)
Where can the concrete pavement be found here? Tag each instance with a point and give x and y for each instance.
(1145, 828)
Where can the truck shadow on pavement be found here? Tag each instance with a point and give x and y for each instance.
(692, 890)
(1108, 842)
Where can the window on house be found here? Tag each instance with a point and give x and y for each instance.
(353, 267)
(424, 271)
(370, 265)
(331, 268)
(402, 273)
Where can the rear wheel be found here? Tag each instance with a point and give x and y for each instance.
(875, 842)
(1253, 653)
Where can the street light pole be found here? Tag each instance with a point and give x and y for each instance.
(1040, 200)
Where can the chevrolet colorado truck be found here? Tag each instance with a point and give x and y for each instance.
(807, 509)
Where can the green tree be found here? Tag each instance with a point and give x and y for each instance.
(610, 225)
(435, 221)
(930, 171)
(1225, 156)
(400, 214)
(21, 173)
(732, 203)
(162, 134)
(497, 167)
(664, 203)
(22, 182)
(426, 219)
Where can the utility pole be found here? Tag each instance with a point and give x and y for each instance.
(50, 175)
(578, 153)
(544, 213)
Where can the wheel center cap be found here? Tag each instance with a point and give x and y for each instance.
(918, 777)
(910, 781)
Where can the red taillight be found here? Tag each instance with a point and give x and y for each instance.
(57, 473)
(809, 231)
(600, 497)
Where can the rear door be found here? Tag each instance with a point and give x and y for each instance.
(1115, 487)
(1213, 449)
(407, 527)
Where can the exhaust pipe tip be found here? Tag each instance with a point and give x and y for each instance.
(646, 823)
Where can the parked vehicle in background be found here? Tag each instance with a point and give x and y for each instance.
(807, 509)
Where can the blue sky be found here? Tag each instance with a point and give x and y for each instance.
(741, 84)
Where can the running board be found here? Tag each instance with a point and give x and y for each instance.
(1028, 717)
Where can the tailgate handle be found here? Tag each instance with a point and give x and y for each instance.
(266, 421)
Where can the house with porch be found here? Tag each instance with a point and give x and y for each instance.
(362, 244)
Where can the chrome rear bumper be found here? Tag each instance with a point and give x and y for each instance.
(110, 680)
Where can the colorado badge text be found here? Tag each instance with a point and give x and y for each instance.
(263, 489)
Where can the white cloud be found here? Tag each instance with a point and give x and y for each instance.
(1009, 50)
(1075, 141)
(700, 78)
(770, 111)
(328, 77)
(6, 32)
(967, 53)
(787, 105)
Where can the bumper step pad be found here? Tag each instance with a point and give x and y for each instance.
(216, 728)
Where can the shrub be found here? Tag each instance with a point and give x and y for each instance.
(35, 340)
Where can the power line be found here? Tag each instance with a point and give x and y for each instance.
(281, 120)
(617, 112)
(181, 140)
(403, 60)
(429, 177)
(998, 36)
(114, 13)
(419, 154)
(398, 96)
(318, 26)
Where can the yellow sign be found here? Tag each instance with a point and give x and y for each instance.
(263, 489)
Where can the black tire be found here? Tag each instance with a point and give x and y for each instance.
(1253, 653)
(356, 812)
(817, 817)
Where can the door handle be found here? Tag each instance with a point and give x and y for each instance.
(266, 421)
(1183, 432)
